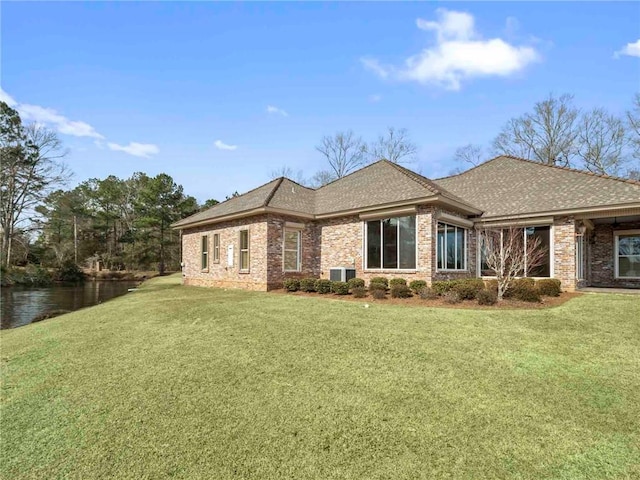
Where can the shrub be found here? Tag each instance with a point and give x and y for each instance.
(308, 284)
(378, 293)
(443, 286)
(69, 272)
(492, 285)
(355, 282)
(340, 288)
(427, 293)
(397, 281)
(400, 291)
(323, 285)
(526, 292)
(548, 287)
(451, 297)
(468, 288)
(359, 292)
(487, 297)
(381, 280)
(417, 285)
(36, 275)
(377, 286)
(291, 284)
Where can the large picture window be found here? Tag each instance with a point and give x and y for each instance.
(452, 247)
(291, 256)
(391, 243)
(529, 234)
(627, 252)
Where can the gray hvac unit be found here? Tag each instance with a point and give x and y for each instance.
(341, 274)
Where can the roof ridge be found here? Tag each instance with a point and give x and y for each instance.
(273, 191)
(350, 173)
(416, 177)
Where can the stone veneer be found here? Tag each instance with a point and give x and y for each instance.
(600, 257)
(564, 252)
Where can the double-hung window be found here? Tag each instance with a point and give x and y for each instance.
(627, 254)
(391, 243)
(216, 248)
(204, 258)
(291, 253)
(244, 250)
(452, 247)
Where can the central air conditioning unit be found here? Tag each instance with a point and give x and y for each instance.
(341, 274)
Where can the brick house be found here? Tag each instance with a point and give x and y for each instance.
(385, 220)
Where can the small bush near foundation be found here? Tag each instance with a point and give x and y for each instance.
(417, 285)
(355, 282)
(359, 292)
(323, 285)
(492, 285)
(427, 293)
(340, 288)
(377, 286)
(400, 291)
(291, 284)
(443, 286)
(397, 281)
(548, 287)
(525, 292)
(519, 285)
(468, 288)
(487, 297)
(378, 293)
(451, 297)
(308, 284)
(381, 280)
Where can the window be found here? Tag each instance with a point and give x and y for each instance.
(244, 250)
(291, 255)
(452, 247)
(543, 233)
(391, 243)
(216, 248)
(205, 252)
(627, 254)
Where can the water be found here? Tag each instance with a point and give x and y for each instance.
(20, 305)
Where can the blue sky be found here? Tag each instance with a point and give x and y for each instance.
(185, 88)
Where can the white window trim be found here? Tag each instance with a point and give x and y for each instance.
(365, 267)
(297, 230)
(552, 256)
(466, 248)
(616, 256)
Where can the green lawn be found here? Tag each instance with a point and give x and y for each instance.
(188, 382)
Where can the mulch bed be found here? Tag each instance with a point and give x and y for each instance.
(416, 301)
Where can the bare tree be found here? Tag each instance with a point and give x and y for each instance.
(508, 255)
(601, 142)
(633, 125)
(30, 168)
(321, 178)
(288, 172)
(546, 135)
(394, 146)
(470, 153)
(344, 151)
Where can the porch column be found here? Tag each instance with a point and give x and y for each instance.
(564, 252)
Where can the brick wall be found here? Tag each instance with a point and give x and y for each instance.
(600, 257)
(564, 252)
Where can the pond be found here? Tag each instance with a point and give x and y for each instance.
(20, 305)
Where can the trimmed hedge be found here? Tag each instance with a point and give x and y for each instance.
(487, 297)
(381, 280)
(451, 297)
(378, 293)
(468, 288)
(308, 284)
(443, 286)
(359, 292)
(377, 286)
(549, 287)
(397, 281)
(340, 288)
(400, 291)
(417, 285)
(355, 283)
(323, 286)
(427, 293)
(291, 284)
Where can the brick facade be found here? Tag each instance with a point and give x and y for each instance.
(600, 256)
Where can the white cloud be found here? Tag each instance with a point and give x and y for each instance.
(630, 49)
(6, 98)
(459, 53)
(144, 150)
(223, 146)
(276, 111)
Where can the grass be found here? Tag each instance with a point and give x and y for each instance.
(188, 382)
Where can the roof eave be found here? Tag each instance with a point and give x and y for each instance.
(578, 212)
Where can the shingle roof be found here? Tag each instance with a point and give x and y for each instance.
(513, 186)
(380, 183)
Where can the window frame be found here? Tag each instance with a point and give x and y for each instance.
(616, 252)
(382, 268)
(465, 265)
(204, 253)
(244, 250)
(298, 249)
(216, 248)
